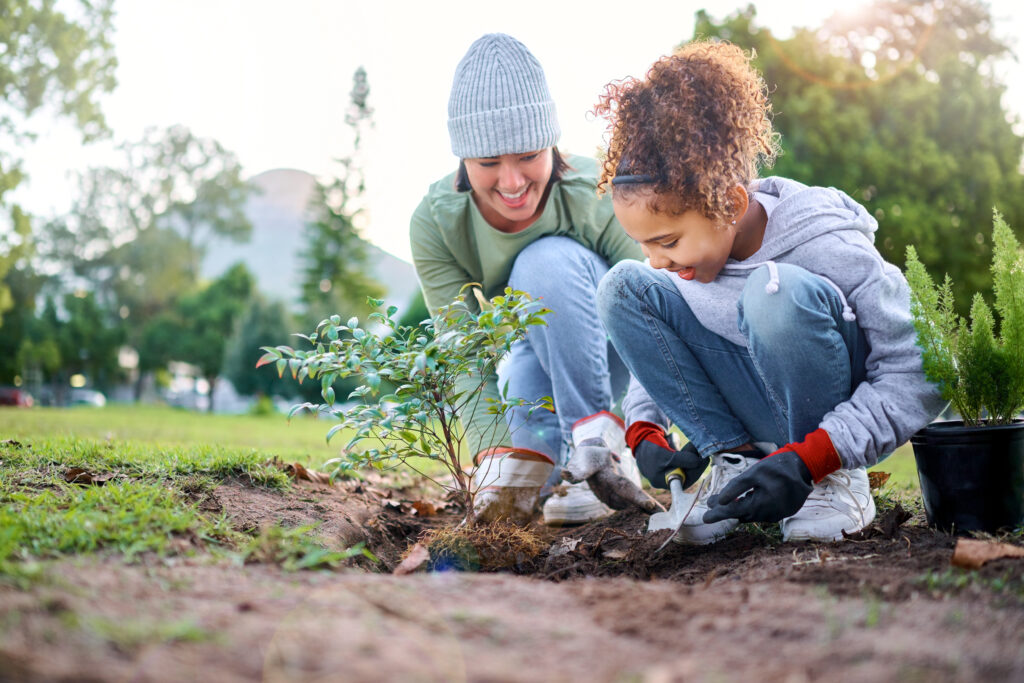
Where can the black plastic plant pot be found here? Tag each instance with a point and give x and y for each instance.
(972, 478)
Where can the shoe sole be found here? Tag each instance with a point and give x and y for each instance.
(716, 535)
(804, 535)
(557, 519)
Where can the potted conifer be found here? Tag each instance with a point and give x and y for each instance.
(972, 469)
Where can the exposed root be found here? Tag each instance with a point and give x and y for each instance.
(482, 547)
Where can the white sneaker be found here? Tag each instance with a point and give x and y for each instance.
(574, 504)
(724, 468)
(840, 502)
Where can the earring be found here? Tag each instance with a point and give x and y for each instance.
(734, 222)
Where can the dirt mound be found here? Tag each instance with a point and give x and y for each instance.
(884, 605)
(894, 559)
(386, 520)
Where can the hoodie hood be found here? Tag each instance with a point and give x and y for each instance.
(798, 215)
(802, 214)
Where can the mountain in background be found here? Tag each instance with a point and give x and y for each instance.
(279, 213)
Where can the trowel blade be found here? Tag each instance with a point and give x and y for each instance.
(682, 503)
(681, 506)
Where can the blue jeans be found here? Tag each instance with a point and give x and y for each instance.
(570, 359)
(801, 360)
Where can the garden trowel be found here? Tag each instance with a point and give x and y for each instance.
(682, 503)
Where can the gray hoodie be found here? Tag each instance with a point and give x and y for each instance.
(827, 233)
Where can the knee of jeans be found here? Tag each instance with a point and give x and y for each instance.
(616, 290)
(539, 261)
(782, 310)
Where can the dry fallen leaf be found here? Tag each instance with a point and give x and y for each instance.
(876, 480)
(77, 475)
(297, 471)
(614, 554)
(424, 508)
(418, 556)
(972, 554)
(564, 546)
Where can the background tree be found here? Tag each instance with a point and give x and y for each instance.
(897, 105)
(64, 61)
(208, 318)
(24, 286)
(335, 278)
(137, 233)
(263, 323)
(170, 180)
(415, 312)
(89, 337)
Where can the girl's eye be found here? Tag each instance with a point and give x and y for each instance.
(529, 157)
(669, 245)
(488, 164)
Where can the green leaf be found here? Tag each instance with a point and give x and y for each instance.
(334, 430)
(267, 358)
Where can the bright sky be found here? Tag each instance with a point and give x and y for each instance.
(270, 80)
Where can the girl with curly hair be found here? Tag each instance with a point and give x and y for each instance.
(763, 316)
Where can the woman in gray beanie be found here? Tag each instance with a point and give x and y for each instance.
(517, 213)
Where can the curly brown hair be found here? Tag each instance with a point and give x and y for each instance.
(699, 124)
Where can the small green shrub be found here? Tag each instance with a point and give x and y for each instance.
(414, 380)
(979, 369)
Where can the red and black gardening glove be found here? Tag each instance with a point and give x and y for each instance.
(656, 458)
(777, 486)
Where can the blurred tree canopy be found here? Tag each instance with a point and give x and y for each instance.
(416, 310)
(208, 317)
(170, 181)
(51, 60)
(137, 232)
(334, 259)
(898, 105)
(263, 323)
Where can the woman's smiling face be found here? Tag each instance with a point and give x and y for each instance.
(689, 245)
(509, 189)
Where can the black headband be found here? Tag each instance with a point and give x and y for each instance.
(641, 179)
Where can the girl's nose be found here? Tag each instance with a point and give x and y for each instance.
(658, 260)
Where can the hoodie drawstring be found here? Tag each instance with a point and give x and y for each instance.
(773, 284)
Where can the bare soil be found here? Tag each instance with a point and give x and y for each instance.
(599, 602)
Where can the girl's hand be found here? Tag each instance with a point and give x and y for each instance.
(769, 491)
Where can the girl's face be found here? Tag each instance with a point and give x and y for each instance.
(690, 245)
(509, 189)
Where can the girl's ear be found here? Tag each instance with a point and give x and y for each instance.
(739, 201)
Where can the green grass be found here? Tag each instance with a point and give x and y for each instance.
(902, 468)
(303, 438)
(953, 580)
(155, 457)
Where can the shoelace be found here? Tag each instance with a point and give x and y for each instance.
(822, 495)
(708, 485)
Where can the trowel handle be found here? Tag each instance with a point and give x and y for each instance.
(676, 484)
(676, 474)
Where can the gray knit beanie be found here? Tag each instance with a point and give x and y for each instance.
(500, 102)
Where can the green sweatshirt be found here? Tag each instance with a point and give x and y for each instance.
(453, 245)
